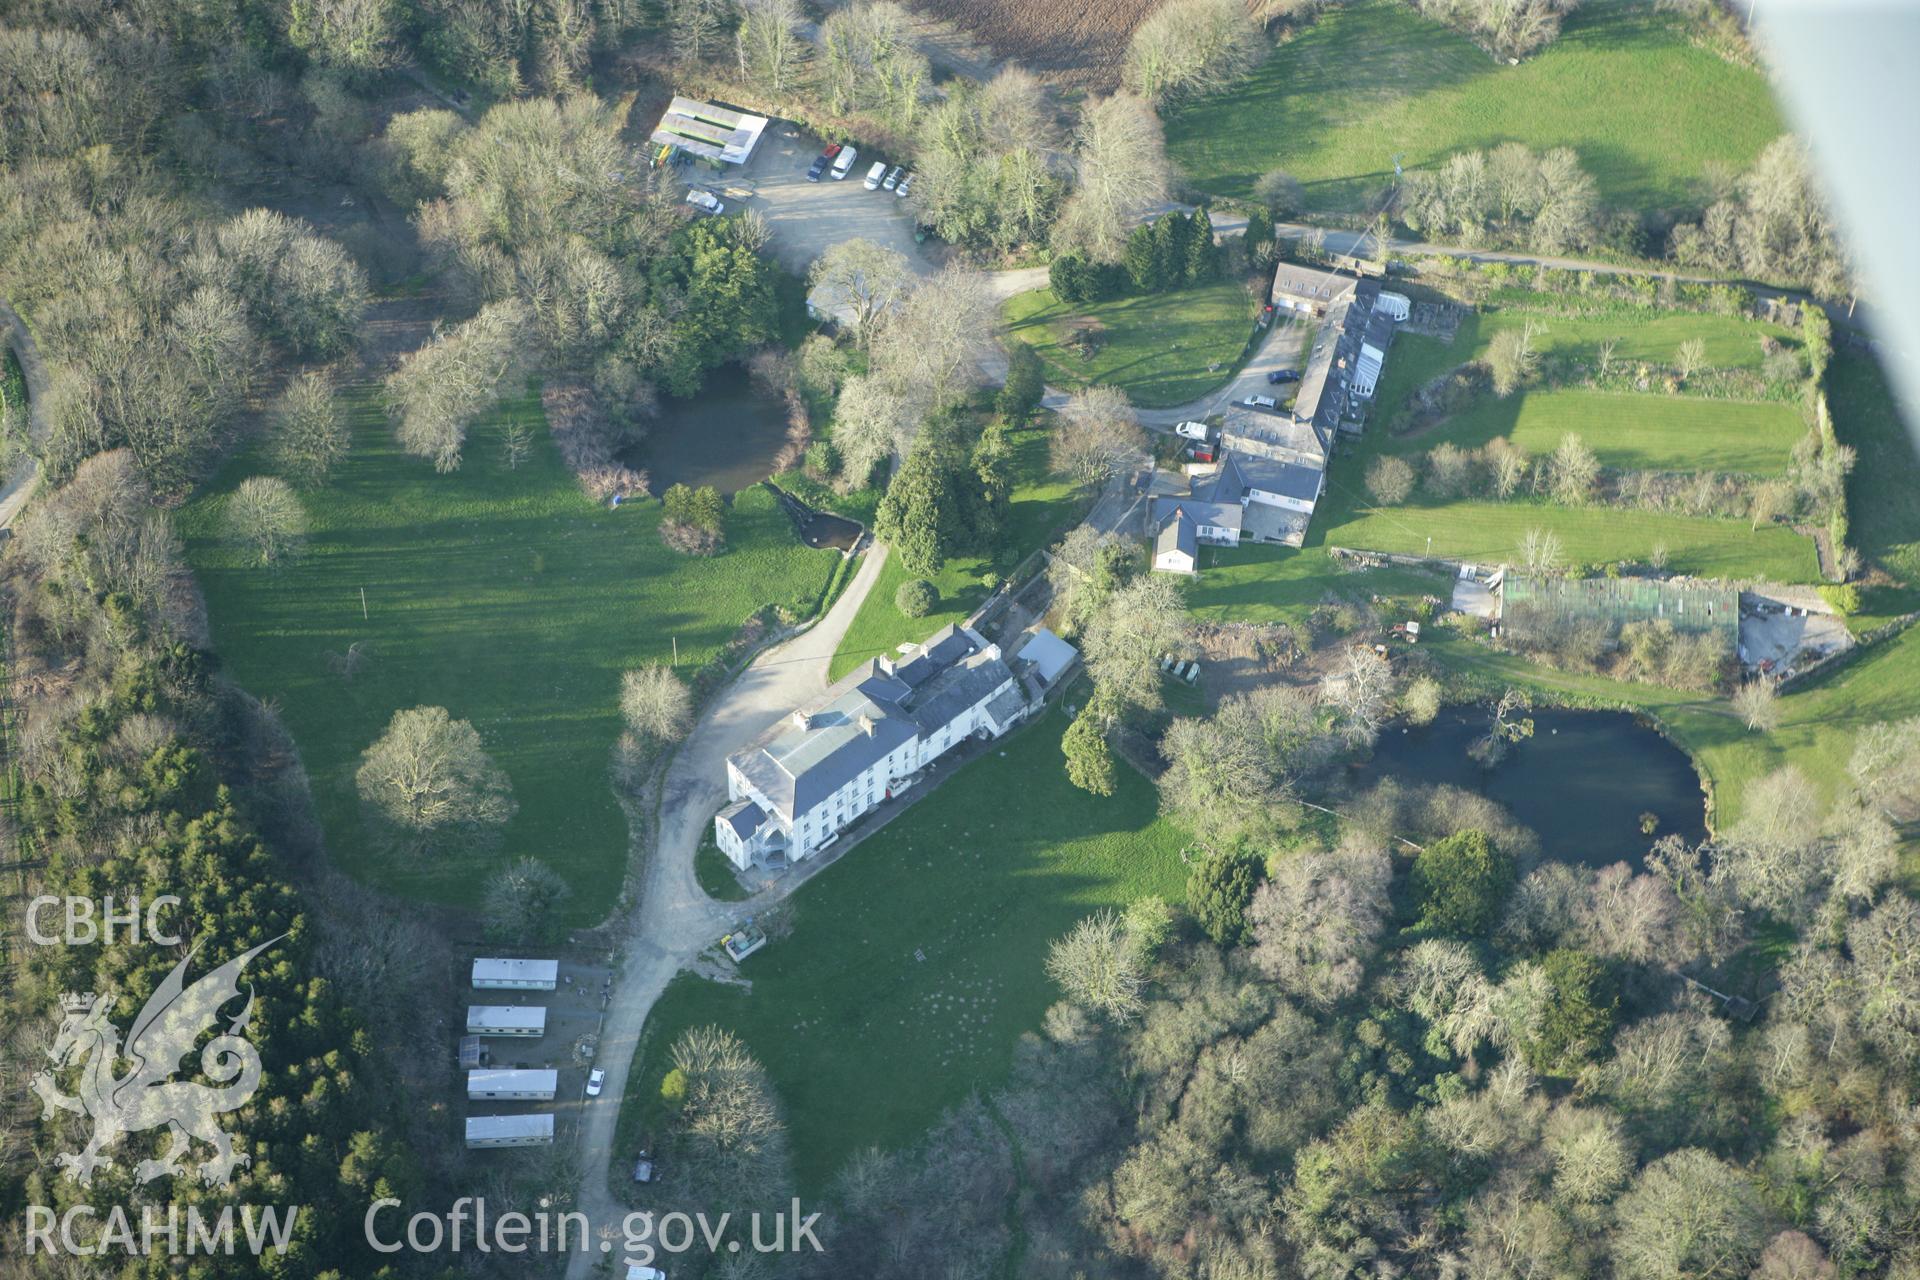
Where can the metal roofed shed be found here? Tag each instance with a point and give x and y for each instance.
(1693, 607)
(510, 1131)
(526, 1086)
(523, 1021)
(473, 1053)
(491, 974)
(1049, 654)
(710, 131)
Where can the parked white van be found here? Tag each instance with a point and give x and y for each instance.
(876, 173)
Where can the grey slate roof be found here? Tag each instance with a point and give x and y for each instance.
(1322, 398)
(745, 817)
(1179, 533)
(1006, 705)
(1220, 512)
(1318, 285)
(867, 715)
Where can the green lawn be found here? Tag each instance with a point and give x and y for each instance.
(1490, 532)
(1646, 109)
(1632, 431)
(504, 596)
(1043, 505)
(1651, 431)
(1271, 584)
(1162, 349)
(1883, 493)
(915, 966)
(1664, 432)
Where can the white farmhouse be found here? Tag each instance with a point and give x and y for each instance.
(867, 737)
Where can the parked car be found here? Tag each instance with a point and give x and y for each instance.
(701, 198)
(893, 178)
(596, 1081)
(843, 164)
(1266, 315)
(1279, 376)
(906, 180)
(876, 173)
(1262, 402)
(1191, 430)
(819, 167)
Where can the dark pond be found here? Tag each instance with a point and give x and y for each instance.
(726, 436)
(1581, 782)
(817, 528)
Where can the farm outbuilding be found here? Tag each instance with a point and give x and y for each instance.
(526, 1086)
(491, 974)
(710, 131)
(1049, 655)
(510, 1131)
(1693, 607)
(526, 1022)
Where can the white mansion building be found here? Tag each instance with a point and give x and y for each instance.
(795, 789)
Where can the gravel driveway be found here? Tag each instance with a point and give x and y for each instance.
(676, 920)
(810, 217)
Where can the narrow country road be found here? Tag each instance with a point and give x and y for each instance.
(675, 920)
(25, 479)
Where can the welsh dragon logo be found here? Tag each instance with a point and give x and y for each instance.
(147, 1096)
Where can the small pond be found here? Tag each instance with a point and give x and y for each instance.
(727, 435)
(817, 528)
(1581, 782)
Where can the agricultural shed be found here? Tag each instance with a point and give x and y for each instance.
(1694, 607)
(709, 131)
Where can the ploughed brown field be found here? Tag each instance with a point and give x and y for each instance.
(1081, 40)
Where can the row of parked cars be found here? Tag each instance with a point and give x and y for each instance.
(840, 160)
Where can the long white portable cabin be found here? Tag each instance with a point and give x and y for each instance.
(527, 1086)
(529, 1021)
(510, 1131)
(491, 974)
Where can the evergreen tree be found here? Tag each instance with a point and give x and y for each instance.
(1203, 261)
(1169, 251)
(1025, 384)
(993, 476)
(1089, 758)
(1144, 261)
(1070, 278)
(1261, 250)
(922, 516)
(1219, 892)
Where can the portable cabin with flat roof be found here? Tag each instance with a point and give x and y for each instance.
(520, 1086)
(526, 1021)
(515, 975)
(510, 1131)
